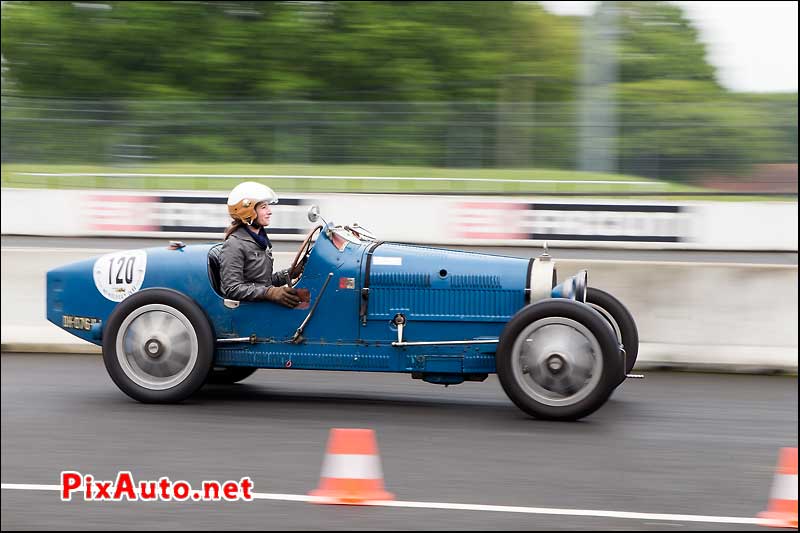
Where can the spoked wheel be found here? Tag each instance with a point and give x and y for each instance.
(558, 360)
(158, 346)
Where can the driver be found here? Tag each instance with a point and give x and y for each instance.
(246, 259)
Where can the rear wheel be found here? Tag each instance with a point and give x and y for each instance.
(158, 346)
(558, 360)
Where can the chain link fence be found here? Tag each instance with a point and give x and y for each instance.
(737, 145)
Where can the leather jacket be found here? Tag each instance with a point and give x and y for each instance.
(246, 268)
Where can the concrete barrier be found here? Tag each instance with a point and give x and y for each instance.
(428, 219)
(733, 317)
(705, 315)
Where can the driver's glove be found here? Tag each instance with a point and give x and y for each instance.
(282, 295)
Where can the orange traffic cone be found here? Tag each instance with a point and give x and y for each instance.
(782, 510)
(351, 472)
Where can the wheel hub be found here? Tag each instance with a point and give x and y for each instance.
(556, 363)
(153, 348)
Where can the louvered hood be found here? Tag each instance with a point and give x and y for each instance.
(429, 284)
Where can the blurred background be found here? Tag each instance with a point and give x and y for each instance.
(534, 95)
(615, 131)
(652, 143)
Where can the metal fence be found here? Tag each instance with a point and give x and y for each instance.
(733, 142)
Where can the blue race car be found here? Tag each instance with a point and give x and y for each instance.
(443, 316)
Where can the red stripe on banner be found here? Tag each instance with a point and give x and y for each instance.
(123, 227)
(479, 224)
(491, 205)
(112, 198)
(487, 235)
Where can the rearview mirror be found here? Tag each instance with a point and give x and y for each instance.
(313, 213)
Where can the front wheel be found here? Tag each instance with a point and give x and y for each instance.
(621, 322)
(158, 346)
(558, 360)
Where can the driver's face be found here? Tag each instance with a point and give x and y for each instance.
(263, 214)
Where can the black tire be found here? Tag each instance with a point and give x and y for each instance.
(227, 375)
(582, 326)
(158, 330)
(622, 319)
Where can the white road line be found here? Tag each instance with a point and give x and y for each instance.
(291, 176)
(576, 512)
(478, 507)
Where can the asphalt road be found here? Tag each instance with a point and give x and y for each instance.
(698, 444)
(697, 256)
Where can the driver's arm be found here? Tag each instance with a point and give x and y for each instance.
(280, 278)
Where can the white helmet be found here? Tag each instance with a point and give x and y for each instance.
(244, 197)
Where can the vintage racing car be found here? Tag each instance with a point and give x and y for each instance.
(444, 316)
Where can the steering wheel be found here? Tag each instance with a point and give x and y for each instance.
(302, 255)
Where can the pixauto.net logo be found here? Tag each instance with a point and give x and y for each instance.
(125, 487)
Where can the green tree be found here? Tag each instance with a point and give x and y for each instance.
(433, 83)
(657, 42)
